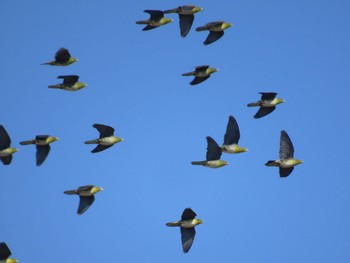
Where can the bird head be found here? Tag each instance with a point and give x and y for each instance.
(298, 161)
(197, 9)
(52, 139)
(96, 189)
(167, 20)
(212, 70)
(82, 85)
(12, 150)
(226, 25)
(197, 221)
(222, 163)
(12, 260)
(72, 60)
(279, 101)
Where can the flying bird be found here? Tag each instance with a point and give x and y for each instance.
(267, 104)
(42, 143)
(70, 83)
(213, 155)
(5, 254)
(62, 58)
(201, 74)
(5, 150)
(187, 227)
(106, 140)
(86, 196)
(216, 30)
(156, 19)
(231, 138)
(186, 17)
(286, 160)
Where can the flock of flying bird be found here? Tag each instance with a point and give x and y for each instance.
(188, 221)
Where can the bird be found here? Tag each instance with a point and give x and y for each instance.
(216, 30)
(156, 19)
(5, 254)
(187, 227)
(186, 17)
(62, 58)
(201, 74)
(106, 140)
(231, 138)
(213, 155)
(5, 150)
(86, 196)
(267, 104)
(70, 83)
(42, 143)
(286, 160)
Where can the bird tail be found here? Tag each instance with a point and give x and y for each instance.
(201, 28)
(70, 192)
(54, 86)
(173, 223)
(48, 63)
(198, 163)
(188, 74)
(253, 104)
(27, 142)
(271, 163)
(92, 141)
(142, 22)
(170, 11)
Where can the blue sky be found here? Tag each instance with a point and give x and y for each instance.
(296, 48)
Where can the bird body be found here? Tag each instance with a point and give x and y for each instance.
(6, 150)
(86, 195)
(232, 137)
(216, 30)
(5, 254)
(186, 17)
(187, 227)
(42, 143)
(201, 74)
(267, 104)
(70, 83)
(156, 19)
(106, 140)
(62, 58)
(213, 155)
(286, 160)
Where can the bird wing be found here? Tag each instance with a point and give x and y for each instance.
(188, 214)
(104, 130)
(5, 140)
(148, 27)
(62, 55)
(100, 148)
(156, 15)
(284, 172)
(41, 137)
(84, 203)
(186, 22)
(213, 36)
(4, 251)
(7, 159)
(232, 134)
(268, 95)
(187, 238)
(69, 80)
(213, 150)
(286, 146)
(202, 68)
(198, 80)
(263, 111)
(42, 151)
(84, 188)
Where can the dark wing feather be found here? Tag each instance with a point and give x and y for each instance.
(4, 251)
(284, 172)
(148, 27)
(213, 150)
(7, 159)
(198, 80)
(42, 151)
(5, 140)
(84, 188)
(84, 203)
(286, 146)
(187, 238)
(202, 69)
(186, 22)
(62, 55)
(69, 80)
(268, 95)
(232, 134)
(188, 214)
(263, 111)
(100, 148)
(213, 36)
(156, 15)
(104, 130)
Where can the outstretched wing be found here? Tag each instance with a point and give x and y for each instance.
(213, 36)
(286, 146)
(188, 214)
(263, 111)
(84, 203)
(5, 140)
(186, 22)
(232, 134)
(42, 151)
(62, 55)
(187, 238)
(213, 150)
(104, 130)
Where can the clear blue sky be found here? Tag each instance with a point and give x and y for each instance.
(299, 49)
